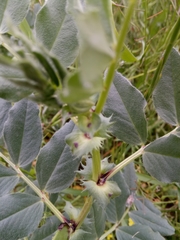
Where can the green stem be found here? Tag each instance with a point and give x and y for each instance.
(107, 84)
(125, 162)
(96, 165)
(118, 49)
(42, 195)
(84, 211)
(116, 225)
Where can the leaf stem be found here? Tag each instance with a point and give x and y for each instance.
(125, 162)
(113, 228)
(96, 165)
(43, 197)
(112, 68)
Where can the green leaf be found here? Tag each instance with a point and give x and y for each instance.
(126, 105)
(95, 50)
(127, 55)
(129, 174)
(73, 84)
(106, 16)
(55, 165)
(115, 209)
(154, 221)
(56, 30)
(22, 132)
(137, 232)
(16, 10)
(162, 158)
(46, 231)
(47, 66)
(4, 109)
(166, 94)
(25, 28)
(20, 215)
(99, 219)
(145, 205)
(9, 90)
(8, 179)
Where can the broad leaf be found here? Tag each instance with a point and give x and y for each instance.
(20, 215)
(55, 165)
(9, 90)
(126, 105)
(46, 231)
(56, 30)
(116, 207)
(145, 205)
(22, 132)
(25, 28)
(99, 219)
(106, 17)
(73, 85)
(16, 10)
(4, 109)
(154, 221)
(94, 48)
(166, 94)
(8, 179)
(162, 158)
(137, 232)
(130, 176)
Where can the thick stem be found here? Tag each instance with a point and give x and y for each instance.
(96, 165)
(43, 197)
(125, 162)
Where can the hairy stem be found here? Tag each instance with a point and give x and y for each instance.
(43, 197)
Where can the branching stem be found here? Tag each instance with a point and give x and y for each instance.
(42, 195)
(125, 162)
